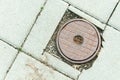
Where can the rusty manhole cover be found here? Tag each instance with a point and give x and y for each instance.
(78, 41)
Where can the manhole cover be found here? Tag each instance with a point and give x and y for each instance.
(78, 41)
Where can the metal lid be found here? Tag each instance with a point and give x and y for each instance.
(78, 41)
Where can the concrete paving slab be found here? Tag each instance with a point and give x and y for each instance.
(107, 66)
(100, 9)
(87, 17)
(60, 65)
(7, 55)
(27, 68)
(44, 27)
(16, 19)
(115, 19)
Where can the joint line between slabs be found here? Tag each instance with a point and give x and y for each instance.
(8, 44)
(34, 22)
(43, 62)
(111, 14)
(79, 76)
(106, 23)
(11, 65)
(84, 12)
(24, 39)
(44, 50)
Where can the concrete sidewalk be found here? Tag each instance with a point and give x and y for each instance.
(26, 27)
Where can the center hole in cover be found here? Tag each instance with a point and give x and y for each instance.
(78, 39)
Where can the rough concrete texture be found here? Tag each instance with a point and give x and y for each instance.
(107, 66)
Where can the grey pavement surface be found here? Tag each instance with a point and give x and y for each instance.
(26, 27)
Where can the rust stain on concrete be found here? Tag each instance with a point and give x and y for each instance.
(36, 75)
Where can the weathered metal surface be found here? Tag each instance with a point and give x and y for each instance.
(78, 41)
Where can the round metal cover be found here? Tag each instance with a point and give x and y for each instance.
(78, 41)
